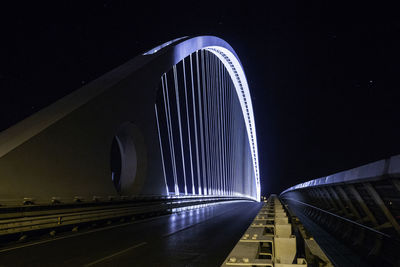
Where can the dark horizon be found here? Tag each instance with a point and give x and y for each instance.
(323, 77)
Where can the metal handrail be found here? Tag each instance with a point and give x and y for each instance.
(340, 217)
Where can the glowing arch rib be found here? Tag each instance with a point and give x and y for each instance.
(184, 46)
(238, 77)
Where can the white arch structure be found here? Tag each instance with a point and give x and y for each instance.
(66, 146)
(184, 46)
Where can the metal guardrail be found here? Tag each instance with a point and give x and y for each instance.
(378, 247)
(361, 204)
(49, 217)
(356, 224)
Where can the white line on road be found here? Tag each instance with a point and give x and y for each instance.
(115, 254)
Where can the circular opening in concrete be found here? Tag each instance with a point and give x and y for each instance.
(123, 158)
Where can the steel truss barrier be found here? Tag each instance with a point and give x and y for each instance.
(360, 206)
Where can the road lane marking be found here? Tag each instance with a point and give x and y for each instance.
(115, 254)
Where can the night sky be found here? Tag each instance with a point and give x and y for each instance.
(324, 77)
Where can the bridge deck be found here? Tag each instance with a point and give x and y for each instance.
(201, 237)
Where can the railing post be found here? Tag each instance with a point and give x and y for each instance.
(361, 202)
(320, 196)
(378, 200)
(342, 207)
(328, 196)
(348, 201)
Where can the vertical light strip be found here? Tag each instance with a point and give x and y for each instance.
(226, 129)
(223, 121)
(169, 127)
(234, 152)
(208, 128)
(203, 144)
(215, 126)
(178, 107)
(195, 119)
(214, 95)
(228, 133)
(206, 109)
(233, 143)
(161, 149)
(188, 126)
(211, 134)
(216, 123)
(229, 127)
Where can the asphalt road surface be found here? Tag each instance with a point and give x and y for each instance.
(199, 237)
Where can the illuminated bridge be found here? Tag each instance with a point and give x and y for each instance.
(156, 164)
